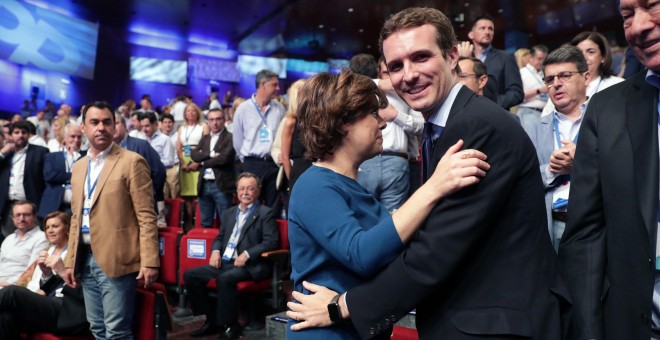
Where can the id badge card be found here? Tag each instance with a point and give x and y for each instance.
(229, 251)
(543, 97)
(208, 172)
(85, 229)
(67, 186)
(560, 196)
(186, 150)
(264, 135)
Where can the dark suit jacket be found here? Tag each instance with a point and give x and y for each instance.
(144, 149)
(504, 84)
(259, 234)
(607, 252)
(33, 182)
(222, 165)
(482, 263)
(56, 178)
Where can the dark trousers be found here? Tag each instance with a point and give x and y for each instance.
(224, 312)
(266, 170)
(22, 310)
(6, 222)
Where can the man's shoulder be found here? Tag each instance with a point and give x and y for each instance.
(37, 149)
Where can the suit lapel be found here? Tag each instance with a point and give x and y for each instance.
(109, 164)
(249, 222)
(546, 136)
(642, 121)
(462, 98)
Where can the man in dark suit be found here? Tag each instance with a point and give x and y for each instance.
(144, 149)
(216, 182)
(504, 85)
(609, 251)
(57, 173)
(482, 264)
(247, 230)
(21, 173)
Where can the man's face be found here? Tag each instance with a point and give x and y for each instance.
(145, 104)
(73, 138)
(248, 191)
(120, 130)
(167, 125)
(99, 128)
(136, 123)
(420, 74)
(536, 60)
(270, 88)
(640, 25)
(20, 137)
(23, 217)
(216, 121)
(467, 76)
(41, 115)
(566, 95)
(148, 128)
(482, 33)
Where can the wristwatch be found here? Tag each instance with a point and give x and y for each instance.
(333, 309)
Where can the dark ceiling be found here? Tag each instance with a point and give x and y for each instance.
(317, 29)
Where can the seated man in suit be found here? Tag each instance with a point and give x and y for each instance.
(247, 230)
(555, 135)
(57, 173)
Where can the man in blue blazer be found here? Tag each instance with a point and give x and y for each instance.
(57, 173)
(504, 85)
(21, 173)
(246, 231)
(556, 135)
(144, 149)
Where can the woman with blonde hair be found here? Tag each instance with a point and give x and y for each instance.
(293, 151)
(190, 132)
(522, 56)
(56, 142)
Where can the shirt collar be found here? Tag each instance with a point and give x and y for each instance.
(102, 155)
(440, 117)
(243, 211)
(583, 109)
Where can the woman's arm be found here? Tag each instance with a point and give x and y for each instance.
(287, 135)
(456, 170)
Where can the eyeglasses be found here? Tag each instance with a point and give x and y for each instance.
(563, 76)
(463, 76)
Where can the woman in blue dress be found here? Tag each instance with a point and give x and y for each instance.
(340, 235)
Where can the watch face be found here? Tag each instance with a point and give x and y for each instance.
(333, 311)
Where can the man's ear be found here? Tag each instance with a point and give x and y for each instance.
(482, 81)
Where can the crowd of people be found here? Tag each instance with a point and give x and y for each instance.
(516, 187)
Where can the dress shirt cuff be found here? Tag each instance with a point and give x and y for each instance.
(549, 176)
(246, 254)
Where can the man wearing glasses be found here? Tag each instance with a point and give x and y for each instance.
(473, 74)
(555, 135)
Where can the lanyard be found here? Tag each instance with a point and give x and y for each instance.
(17, 159)
(262, 115)
(557, 136)
(189, 132)
(90, 187)
(237, 230)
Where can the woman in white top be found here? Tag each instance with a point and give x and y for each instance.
(56, 142)
(598, 54)
(190, 134)
(50, 262)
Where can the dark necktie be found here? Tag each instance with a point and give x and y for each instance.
(431, 133)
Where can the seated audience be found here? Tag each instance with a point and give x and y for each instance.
(23, 246)
(247, 230)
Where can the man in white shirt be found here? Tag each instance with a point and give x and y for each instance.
(172, 187)
(163, 146)
(22, 247)
(555, 136)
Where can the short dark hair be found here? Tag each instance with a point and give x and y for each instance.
(249, 175)
(605, 68)
(264, 76)
(478, 66)
(148, 115)
(329, 101)
(99, 104)
(483, 17)
(538, 48)
(166, 116)
(21, 125)
(24, 202)
(364, 64)
(32, 129)
(418, 16)
(567, 54)
(222, 114)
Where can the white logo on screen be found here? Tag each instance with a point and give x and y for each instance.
(39, 33)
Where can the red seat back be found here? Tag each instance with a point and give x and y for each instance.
(169, 239)
(173, 209)
(195, 249)
(404, 333)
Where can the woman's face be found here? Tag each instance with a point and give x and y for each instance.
(191, 114)
(364, 137)
(56, 231)
(593, 55)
